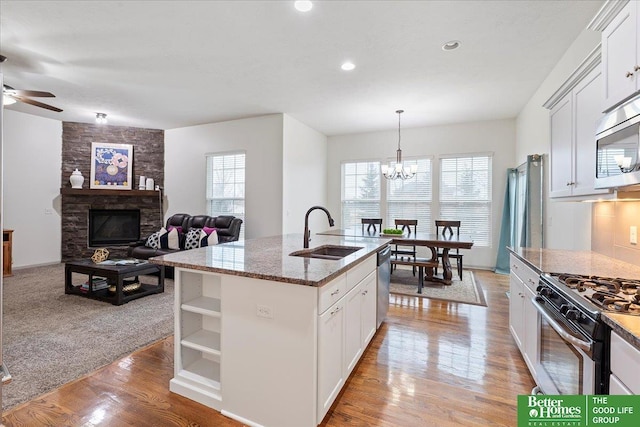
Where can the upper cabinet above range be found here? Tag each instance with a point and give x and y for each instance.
(621, 55)
(575, 110)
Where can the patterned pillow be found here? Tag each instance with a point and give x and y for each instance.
(153, 241)
(171, 239)
(210, 240)
(194, 238)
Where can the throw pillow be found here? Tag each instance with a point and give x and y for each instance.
(153, 241)
(211, 239)
(171, 239)
(208, 230)
(194, 238)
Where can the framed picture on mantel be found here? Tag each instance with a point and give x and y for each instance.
(111, 166)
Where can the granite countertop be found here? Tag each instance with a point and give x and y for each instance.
(588, 263)
(268, 258)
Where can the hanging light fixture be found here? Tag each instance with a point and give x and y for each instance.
(399, 171)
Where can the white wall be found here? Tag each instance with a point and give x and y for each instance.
(568, 224)
(497, 136)
(304, 177)
(185, 168)
(31, 183)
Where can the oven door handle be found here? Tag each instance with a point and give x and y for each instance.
(584, 345)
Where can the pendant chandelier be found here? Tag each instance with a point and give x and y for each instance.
(398, 171)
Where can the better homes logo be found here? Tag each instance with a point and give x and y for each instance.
(550, 411)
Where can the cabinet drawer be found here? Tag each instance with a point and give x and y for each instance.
(624, 359)
(360, 271)
(331, 292)
(528, 276)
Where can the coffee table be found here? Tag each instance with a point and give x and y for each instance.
(115, 275)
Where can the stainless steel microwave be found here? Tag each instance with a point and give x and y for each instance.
(618, 147)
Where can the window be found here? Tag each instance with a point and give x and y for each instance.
(225, 185)
(465, 195)
(411, 198)
(360, 192)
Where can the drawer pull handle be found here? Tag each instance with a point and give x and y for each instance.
(629, 74)
(335, 310)
(336, 292)
(636, 68)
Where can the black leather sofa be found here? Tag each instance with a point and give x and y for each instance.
(227, 227)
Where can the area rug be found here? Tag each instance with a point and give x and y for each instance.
(50, 338)
(466, 291)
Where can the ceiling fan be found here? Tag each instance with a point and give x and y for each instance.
(11, 95)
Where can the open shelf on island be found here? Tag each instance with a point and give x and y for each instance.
(203, 305)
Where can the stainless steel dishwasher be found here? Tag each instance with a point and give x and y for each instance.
(384, 278)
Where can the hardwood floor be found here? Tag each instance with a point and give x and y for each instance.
(432, 363)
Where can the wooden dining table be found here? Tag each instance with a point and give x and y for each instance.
(430, 240)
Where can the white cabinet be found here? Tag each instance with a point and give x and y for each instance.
(621, 56)
(197, 337)
(344, 330)
(369, 309)
(330, 353)
(574, 119)
(625, 365)
(353, 329)
(523, 316)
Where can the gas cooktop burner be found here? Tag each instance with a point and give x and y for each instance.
(609, 294)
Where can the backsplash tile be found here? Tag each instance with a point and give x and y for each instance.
(610, 230)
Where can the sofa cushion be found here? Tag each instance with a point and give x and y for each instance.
(153, 241)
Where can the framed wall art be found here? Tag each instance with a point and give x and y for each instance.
(111, 166)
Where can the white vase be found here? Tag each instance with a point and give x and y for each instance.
(76, 179)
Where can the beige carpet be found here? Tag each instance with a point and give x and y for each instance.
(50, 338)
(466, 291)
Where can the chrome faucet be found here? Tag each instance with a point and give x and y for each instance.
(307, 233)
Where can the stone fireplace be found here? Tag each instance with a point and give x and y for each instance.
(148, 160)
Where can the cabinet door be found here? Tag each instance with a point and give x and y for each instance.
(617, 387)
(516, 308)
(353, 328)
(531, 320)
(619, 50)
(561, 146)
(369, 308)
(587, 106)
(330, 351)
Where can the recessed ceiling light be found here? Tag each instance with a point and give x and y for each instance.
(303, 5)
(452, 45)
(348, 66)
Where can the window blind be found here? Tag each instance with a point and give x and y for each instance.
(225, 189)
(465, 195)
(411, 198)
(360, 192)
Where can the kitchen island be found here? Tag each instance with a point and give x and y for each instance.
(267, 338)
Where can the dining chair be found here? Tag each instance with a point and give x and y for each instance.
(376, 223)
(408, 226)
(448, 228)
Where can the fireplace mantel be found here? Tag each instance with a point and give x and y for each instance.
(65, 191)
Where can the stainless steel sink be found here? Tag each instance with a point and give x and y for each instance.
(333, 252)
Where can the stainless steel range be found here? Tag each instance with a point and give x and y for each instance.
(573, 341)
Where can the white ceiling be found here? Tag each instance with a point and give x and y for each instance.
(170, 64)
